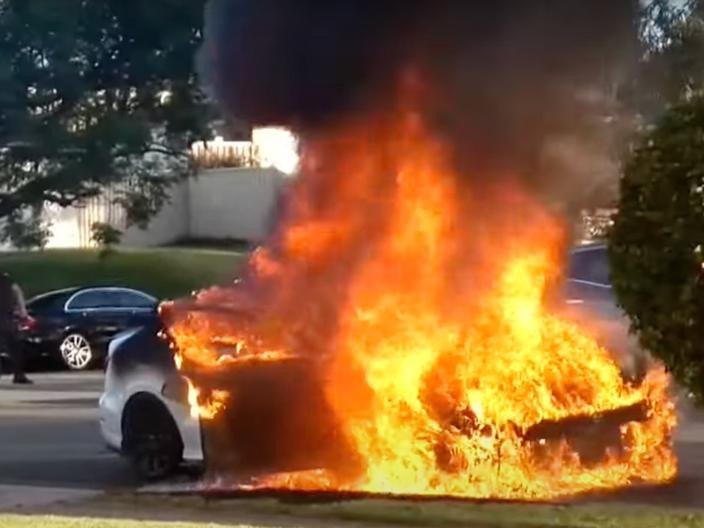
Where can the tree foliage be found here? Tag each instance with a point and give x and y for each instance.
(90, 92)
(26, 229)
(673, 65)
(657, 242)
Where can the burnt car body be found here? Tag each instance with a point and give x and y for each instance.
(75, 325)
(145, 413)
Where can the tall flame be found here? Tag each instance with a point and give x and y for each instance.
(422, 297)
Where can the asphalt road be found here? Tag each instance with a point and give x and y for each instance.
(49, 435)
(49, 438)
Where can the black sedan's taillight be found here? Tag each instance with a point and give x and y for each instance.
(27, 324)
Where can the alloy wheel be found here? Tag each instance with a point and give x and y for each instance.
(76, 352)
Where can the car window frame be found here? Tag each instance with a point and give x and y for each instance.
(68, 309)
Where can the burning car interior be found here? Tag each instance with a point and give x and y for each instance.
(392, 335)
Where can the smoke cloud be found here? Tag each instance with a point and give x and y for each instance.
(513, 81)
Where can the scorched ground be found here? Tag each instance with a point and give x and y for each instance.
(395, 335)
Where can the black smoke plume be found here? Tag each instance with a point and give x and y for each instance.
(522, 86)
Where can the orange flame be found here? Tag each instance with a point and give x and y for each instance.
(206, 408)
(423, 298)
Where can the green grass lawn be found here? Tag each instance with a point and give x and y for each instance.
(165, 273)
(459, 514)
(56, 522)
(377, 513)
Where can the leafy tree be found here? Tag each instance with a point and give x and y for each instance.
(657, 242)
(94, 93)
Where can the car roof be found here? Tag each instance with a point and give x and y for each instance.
(54, 293)
(70, 292)
(111, 287)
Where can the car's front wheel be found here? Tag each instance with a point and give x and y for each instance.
(76, 352)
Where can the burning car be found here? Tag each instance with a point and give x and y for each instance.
(396, 332)
(417, 301)
(153, 414)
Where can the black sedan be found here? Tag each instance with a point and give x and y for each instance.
(75, 325)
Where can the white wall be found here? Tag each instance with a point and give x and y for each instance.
(168, 226)
(218, 203)
(234, 203)
(65, 226)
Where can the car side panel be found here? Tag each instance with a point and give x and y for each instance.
(44, 340)
(99, 327)
(107, 323)
(144, 381)
(105, 314)
(143, 363)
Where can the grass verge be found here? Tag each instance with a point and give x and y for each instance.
(13, 521)
(373, 513)
(510, 516)
(165, 273)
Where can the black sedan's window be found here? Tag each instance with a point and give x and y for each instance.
(47, 303)
(128, 299)
(90, 300)
(112, 298)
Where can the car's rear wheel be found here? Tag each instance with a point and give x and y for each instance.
(76, 352)
(151, 439)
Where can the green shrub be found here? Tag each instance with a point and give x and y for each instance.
(657, 241)
(107, 237)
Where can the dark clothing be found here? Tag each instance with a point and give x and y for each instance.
(8, 303)
(12, 346)
(11, 305)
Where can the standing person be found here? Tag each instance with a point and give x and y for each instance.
(12, 309)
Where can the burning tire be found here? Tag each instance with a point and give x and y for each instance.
(151, 438)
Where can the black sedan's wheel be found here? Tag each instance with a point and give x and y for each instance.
(76, 352)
